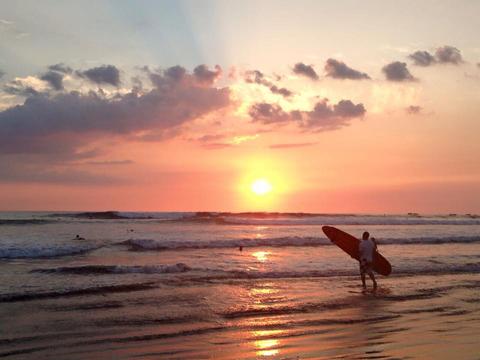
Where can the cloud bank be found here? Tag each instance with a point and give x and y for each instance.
(67, 121)
(321, 118)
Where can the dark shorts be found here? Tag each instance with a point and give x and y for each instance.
(366, 267)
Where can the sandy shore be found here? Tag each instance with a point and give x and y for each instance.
(407, 318)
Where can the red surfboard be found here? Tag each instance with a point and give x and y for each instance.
(349, 244)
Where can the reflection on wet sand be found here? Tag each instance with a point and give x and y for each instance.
(261, 256)
(265, 342)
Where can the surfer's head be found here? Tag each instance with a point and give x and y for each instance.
(365, 235)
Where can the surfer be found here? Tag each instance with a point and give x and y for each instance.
(78, 237)
(366, 248)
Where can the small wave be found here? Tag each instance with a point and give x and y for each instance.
(294, 241)
(99, 290)
(101, 215)
(117, 269)
(150, 244)
(45, 252)
(24, 222)
(209, 275)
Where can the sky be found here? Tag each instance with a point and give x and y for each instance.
(190, 105)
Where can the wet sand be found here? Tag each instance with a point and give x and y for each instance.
(407, 318)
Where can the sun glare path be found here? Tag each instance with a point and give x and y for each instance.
(261, 187)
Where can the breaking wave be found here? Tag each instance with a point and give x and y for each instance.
(159, 245)
(117, 269)
(45, 252)
(24, 222)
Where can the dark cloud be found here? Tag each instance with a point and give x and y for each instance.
(443, 55)
(65, 122)
(422, 58)
(176, 73)
(206, 76)
(339, 70)
(397, 71)
(291, 145)
(305, 70)
(257, 77)
(268, 113)
(1, 73)
(413, 109)
(61, 68)
(54, 78)
(281, 91)
(448, 55)
(323, 116)
(105, 74)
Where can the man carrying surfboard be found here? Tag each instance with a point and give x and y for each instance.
(366, 249)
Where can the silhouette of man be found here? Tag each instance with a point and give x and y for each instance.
(367, 248)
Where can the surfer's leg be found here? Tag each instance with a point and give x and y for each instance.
(362, 273)
(370, 273)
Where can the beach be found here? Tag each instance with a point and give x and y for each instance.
(177, 286)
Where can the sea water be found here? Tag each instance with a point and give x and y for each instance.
(223, 285)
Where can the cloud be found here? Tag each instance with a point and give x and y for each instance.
(105, 74)
(448, 55)
(305, 70)
(28, 86)
(397, 71)
(339, 70)
(2, 73)
(176, 72)
(322, 117)
(61, 68)
(281, 91)
(257, 77)
(206, 76)
(266, 113)
(413, 109)
(54, 78)
(291, 145)
(443, 55)
(422, 58)
(221, 141)
(109, 162)
(68, 121)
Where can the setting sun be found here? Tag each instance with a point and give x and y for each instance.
(261, 187)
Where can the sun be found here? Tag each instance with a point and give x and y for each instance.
(261, 187)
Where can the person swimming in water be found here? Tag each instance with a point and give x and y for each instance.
(78, 237)
(367, 248)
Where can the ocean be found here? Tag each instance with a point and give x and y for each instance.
(161, 285)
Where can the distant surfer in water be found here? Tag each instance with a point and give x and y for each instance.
(78, 237)
(366, 248)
